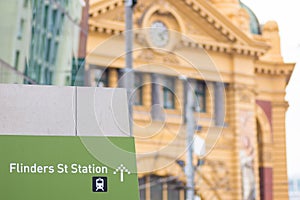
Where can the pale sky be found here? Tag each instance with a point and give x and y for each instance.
(287, 14)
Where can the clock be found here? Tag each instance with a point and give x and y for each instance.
(159, 34)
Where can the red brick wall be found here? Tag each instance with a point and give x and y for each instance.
(84, 31)
(266, 173)
(266, 183)
(267, 108)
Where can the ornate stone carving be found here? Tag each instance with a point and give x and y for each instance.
(120, 17)
(245, 97)
(245, 93)
(220, 178)
(170, 58)
(146, 54)
(167, 58)
(140, 38)
(191, 29)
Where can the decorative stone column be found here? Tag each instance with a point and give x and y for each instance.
(245, 179)
(280, 180)
(157, 98)
(113, 78)
(219, 103)
(147, 87)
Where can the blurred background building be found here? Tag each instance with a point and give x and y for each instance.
(40, 40)
(45, 42)
(294, 188)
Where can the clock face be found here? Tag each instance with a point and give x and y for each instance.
(159, 34)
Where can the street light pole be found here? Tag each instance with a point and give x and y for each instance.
(128, 71)
(190, 126)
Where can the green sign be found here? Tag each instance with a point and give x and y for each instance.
(60, 168)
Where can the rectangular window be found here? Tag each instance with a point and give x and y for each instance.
(38, 46)
(53, 22)
(53, 60)
(77, 74)
(48, 76)
(156, 189)
(46, 16)
(168, 93)
(101, 77)
(33, 16)
(48, 49)
(43, 47)
(138, 90)
(38, 73)
(173, 191)
(17, 58)
(142, 184)
(60, 26)
(200, 94)
(298, 185)
(47, 80)
(32, 35)
(21, 29)
(32, 71)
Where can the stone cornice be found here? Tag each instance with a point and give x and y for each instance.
(101, 7)
(225, 48)
(115, 28)
(107, 27)
(223, 24)
(240, 43)
(283, 104)
(271, 68)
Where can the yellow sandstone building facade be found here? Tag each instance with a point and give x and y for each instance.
(235, 67)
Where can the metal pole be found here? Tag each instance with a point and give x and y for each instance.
(129, 75)
(219, 103)
(190, 127)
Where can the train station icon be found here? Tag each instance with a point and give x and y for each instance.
(99, 184)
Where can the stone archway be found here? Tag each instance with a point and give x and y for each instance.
(265, 125)
(264, 154)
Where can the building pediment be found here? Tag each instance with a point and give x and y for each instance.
(198, 20)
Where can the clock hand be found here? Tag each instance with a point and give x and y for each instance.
(161, 36)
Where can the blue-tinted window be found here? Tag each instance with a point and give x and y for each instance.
(168, 91)
(60, 26)
(173, 191)
(21, 29)
(200, 93)
(142, 184)
(46, 16)
(17, 58)
(138, 90)
(53, 20)
(101, 77)
(156, 188)
(48, 49)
